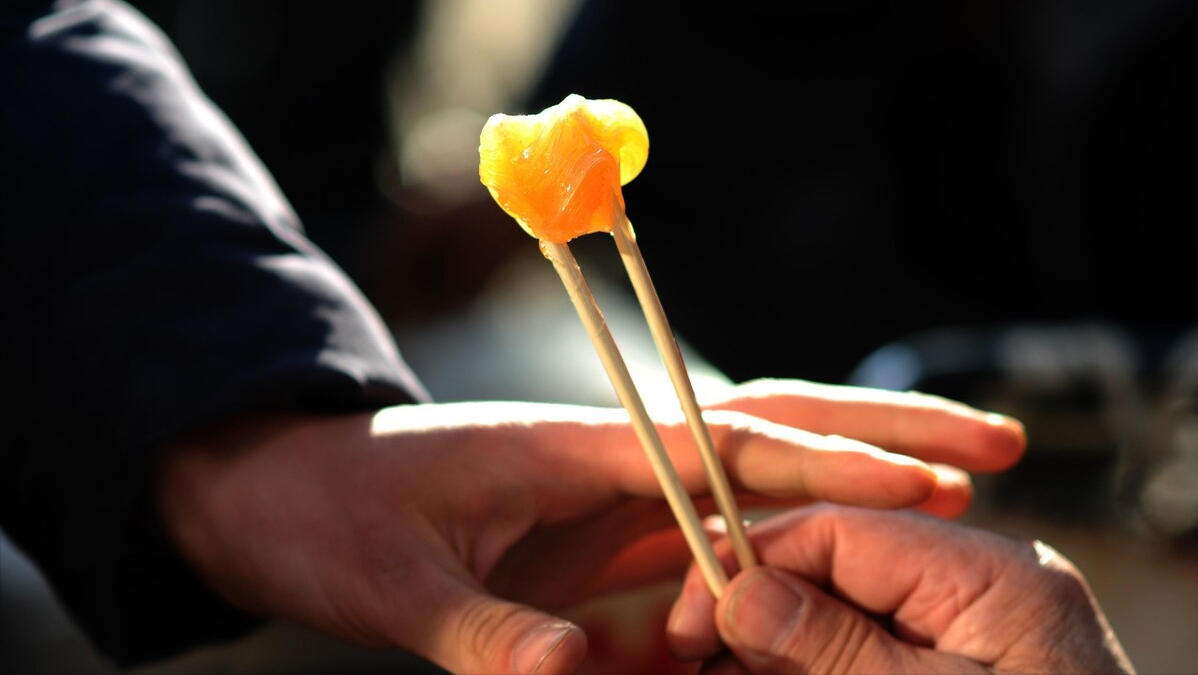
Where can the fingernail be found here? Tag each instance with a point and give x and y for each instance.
(538, 645)
(763, 611)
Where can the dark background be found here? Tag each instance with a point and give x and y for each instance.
(825, 177)
(992, 200)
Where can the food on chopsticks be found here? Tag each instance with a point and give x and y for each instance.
(559, 174)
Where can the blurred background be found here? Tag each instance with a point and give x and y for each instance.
(990, 201)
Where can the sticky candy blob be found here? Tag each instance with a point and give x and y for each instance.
(559, 172)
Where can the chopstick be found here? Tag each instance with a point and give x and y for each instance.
(522, 162)
(667, 347)
(617, 371)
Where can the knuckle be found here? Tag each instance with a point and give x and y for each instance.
(480, 629)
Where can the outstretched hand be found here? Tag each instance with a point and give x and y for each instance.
(455, 530)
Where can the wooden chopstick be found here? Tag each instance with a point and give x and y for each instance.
(671, 355)
(617, 371)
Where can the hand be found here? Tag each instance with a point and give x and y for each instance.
(849, 590)
(452, 530)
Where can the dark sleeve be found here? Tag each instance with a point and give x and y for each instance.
(153, 279)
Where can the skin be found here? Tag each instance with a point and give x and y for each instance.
(949, 599)
(455, 530)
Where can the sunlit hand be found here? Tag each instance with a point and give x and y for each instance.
(454, 530)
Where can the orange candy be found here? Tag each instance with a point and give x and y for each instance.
(559, 172)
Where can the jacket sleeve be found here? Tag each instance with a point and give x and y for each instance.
(153, 279)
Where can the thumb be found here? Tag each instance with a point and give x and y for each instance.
(483, 634)
(775, 622)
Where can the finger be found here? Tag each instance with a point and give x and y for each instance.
(470, 631)
(761, 458)
(953, 494)
(934, 568)
(690, 633)
(784, 462)
(774, 622)
(930, 427)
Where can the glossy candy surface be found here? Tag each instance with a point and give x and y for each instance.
(559, 172)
